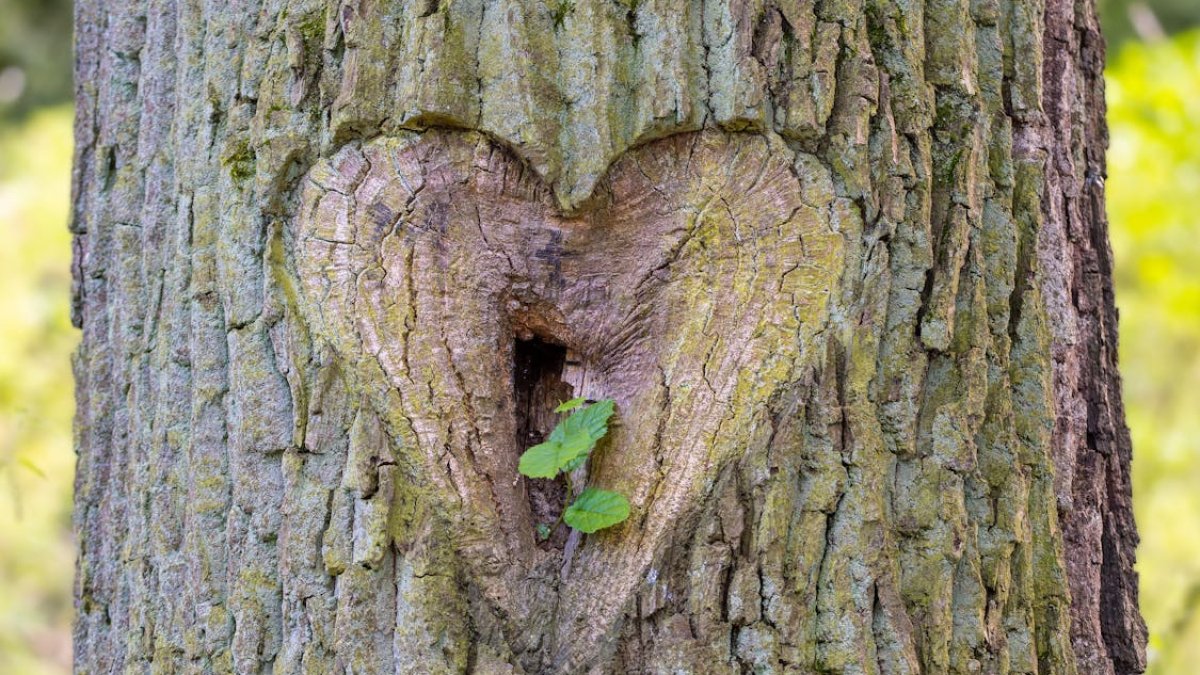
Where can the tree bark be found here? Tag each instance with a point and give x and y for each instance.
(843, 266)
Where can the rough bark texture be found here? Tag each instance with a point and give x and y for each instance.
(1092, 444)
(842, 264)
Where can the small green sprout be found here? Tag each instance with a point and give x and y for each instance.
(567, 449)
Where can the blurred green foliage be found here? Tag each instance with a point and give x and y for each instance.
(1154, 206)
(36, 338)
(1154, 203)
(35, 55)
(1125, 20)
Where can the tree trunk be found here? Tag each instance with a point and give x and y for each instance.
(843, 266)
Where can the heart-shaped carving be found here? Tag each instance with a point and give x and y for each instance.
(690, 287)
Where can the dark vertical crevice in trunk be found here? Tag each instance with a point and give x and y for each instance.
(537, 389)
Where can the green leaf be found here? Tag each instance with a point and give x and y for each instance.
(592, 421)
(567, 406)
(569, 443)
(575, 463)
(545, 459)
(596, 509)
(543, 532)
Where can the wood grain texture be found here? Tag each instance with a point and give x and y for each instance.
(842, 264)
(689, 292)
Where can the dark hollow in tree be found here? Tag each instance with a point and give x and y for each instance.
(842, 265)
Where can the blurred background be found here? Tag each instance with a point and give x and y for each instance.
(1154, 206)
